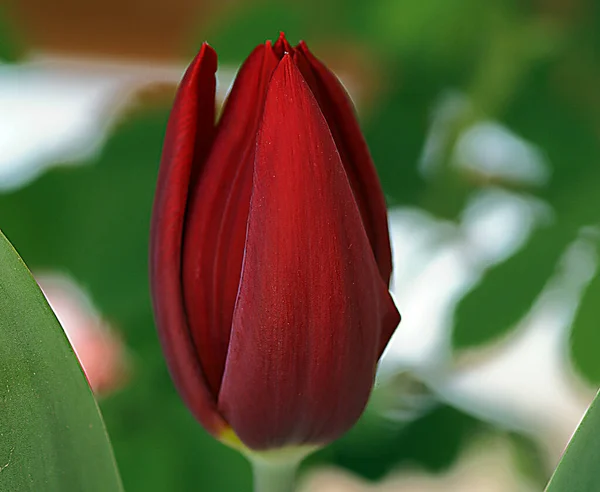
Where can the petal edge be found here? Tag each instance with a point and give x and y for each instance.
(188, 139)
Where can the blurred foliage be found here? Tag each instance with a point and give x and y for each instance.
(489, 310)
(528, 460)
(10, 48)
(376, 447)
(533, 66)
(586, 336)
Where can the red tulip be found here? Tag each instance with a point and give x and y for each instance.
(270, 253)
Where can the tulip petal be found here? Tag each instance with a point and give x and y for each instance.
(189, 136)
(307, 322)
(215, 231)
(282, 46)
(339, 113)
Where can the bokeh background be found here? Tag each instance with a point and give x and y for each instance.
(484, 123)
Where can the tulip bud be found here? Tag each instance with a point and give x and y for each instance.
(270, 255)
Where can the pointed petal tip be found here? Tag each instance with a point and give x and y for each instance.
(203, 66)
(283, 40)
(287, 65)
(206, 51)
(303, 48)
(282, 45)
(287, 59)
(302, 45)
(389, 323)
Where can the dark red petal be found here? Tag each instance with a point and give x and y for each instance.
(189, 136)
(218, 211)
(307, 322)
(339, 113)
(282, 46)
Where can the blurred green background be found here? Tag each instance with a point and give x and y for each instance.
(423, 74)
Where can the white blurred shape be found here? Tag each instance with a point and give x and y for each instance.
(437, 262)
(496, 223)
(528, 383)
(50, 117)
(451, 107)
(61, 110)
(491, 149)
(424, 299)
(524, 383)
(486, 148)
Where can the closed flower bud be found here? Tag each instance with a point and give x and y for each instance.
(270, 254)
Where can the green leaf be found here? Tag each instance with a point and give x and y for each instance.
(52, 434)
(585, 339)
(578, 468)
(508, 290)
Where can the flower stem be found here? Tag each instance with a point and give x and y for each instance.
(274, 476)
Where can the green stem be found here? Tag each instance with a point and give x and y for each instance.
(278, 476)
